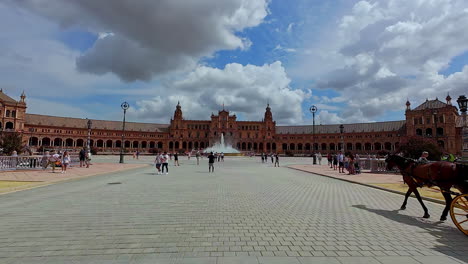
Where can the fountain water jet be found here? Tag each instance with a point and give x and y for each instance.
(222, 147)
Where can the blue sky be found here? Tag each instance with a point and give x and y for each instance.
(358, 61)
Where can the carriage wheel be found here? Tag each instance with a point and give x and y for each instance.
(459, 212)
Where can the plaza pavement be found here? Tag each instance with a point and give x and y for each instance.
(26, 179)
(245, 212)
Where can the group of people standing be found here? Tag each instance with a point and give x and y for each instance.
(56, 159)
(341, 162)
(273, 156)
(162, 162)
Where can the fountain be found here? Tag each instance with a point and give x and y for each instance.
(222, 147)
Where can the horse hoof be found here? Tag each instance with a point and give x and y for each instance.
(426, 216)
(443, 218)
(403, 208)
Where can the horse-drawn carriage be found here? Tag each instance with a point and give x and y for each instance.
(450, 177)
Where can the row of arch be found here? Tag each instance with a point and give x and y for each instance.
(69, 142)
(8, 125)
(377, 146)
(439, 132)
(188, 145)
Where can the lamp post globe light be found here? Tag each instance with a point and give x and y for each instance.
(313, 109)
(342, 138)
(462, 104)
(124, 106)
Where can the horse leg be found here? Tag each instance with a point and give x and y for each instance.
(426, 213)
(448, 201)
(408, 193)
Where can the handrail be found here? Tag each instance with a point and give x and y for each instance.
(26, 162)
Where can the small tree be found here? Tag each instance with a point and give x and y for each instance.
(414, 146)
(10, 141)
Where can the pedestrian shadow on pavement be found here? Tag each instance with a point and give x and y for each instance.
(449, 240)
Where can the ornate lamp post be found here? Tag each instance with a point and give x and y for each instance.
(342, 138)
(462, 103)
(89, 135)
(124, 106)
(313, 109)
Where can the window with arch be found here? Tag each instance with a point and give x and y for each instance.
(429, 132)
(7, 113)
(440, 131)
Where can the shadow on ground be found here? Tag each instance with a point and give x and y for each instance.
(451, 241)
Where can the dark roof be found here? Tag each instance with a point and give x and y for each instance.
(348, 128)
(6, 98)
(431, 104)
(44, 120)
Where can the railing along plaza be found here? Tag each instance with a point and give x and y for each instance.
(26, 162)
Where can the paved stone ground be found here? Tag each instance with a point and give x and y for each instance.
(245, 212)
(38, 177)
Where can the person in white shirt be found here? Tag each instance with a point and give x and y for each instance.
(53, 160)
(341, 162)
(66, 160)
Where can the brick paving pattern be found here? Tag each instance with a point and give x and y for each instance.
(245, 212)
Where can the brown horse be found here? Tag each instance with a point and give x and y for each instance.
(443, 174)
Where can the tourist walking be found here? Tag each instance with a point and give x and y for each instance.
(335, 161)
(272, 157)
(351, 166)
(88, 158)
(319, 156)
(222, 156)
(82, 156)
(276, 160)
(341, 162)
(66, 160)
(158, 162)
(138, 154)
(211, 160)
(198, 157)
(176, 159)
(164, 162)
(330, 160)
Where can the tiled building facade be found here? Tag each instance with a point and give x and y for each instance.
(433, 119)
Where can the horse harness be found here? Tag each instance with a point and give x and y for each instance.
(424, 181)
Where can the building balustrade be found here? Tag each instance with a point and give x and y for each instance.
(26, 162)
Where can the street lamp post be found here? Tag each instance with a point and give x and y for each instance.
(313, 110)
(124, 106)
(462, 103)
(342, 138)
(89, 135)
